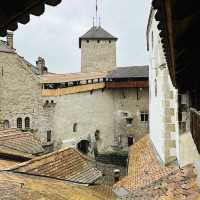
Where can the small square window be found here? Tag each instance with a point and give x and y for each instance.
(144, 117)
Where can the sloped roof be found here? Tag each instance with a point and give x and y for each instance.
(19, 11)
(96, 33)
(62, 78)
(144, 167)
(181, 184)
(22, 187)
(4, 47)
(129, 72)
(22, 144)
(66, 164)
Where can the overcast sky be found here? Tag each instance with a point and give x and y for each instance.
(55, 34)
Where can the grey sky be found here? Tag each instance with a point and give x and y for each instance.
(55, 34)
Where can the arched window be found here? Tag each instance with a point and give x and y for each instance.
(27, 123)
(6, 124)
(19, 122)
(75, 127)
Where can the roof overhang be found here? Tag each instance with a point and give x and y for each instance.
(178, 22)
(19, 11)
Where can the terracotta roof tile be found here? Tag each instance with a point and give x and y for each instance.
(16, 142)
(144, 166)
(67, 164)
(181, 184)
(22, 187)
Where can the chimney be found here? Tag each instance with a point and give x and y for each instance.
(40, 63)
(10, 39)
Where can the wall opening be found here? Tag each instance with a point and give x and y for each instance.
(130, 140)
(27, 123)
(83, 146)
(6, 124)
(75, 127)
(49, 136)
(19, 123)
(97, 135)
(144, 116)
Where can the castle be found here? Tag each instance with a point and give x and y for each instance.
(101, 109)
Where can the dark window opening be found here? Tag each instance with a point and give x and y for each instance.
(97, 135)
(27, 123)
(75, 127)
(129, 120)
(144, 116)
(156, 88)
(6, 124)
(98, 41)
(130, 140)
(19, 123)
(109, 41)
(83, 146)
(49, 136)
(87, 41)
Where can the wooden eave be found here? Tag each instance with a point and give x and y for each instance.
(19, 11)
(178, 25)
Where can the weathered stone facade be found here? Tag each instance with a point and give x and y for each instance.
(98, 55)
(105, 118)
(102, 111)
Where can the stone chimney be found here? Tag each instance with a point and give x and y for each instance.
(40, 63)
(10, 39)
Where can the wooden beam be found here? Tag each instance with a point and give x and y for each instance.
(72, 90)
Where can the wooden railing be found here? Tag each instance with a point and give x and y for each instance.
(195, 126)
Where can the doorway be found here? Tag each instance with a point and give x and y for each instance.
(83, 146)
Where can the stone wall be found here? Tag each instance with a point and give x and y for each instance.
(19, 91)
(98, 56)
(164, 129)
(102, 110)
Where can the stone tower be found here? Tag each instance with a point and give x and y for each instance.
(98, 50)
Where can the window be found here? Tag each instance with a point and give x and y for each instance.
(152, 39)
(6, 124)
(49, 136)
(87, 41)
(129, 120)
(19, 122)
(156, 88)
(98, 41)
(75, 127)
(97, 135)
(144, 116)
(27, 123)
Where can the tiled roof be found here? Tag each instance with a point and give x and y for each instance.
(4, 47)
(66, 164)
(6, 163)
(129, 72)
(96, 33)
(61, 78)
(22, 187)
(181, 184)
(16, 142)
(144, 167)
(119, 72)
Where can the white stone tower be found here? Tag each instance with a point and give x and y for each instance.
(98, 50)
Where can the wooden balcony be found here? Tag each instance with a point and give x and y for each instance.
(72, 90)
(128, 84)
(195, 126)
